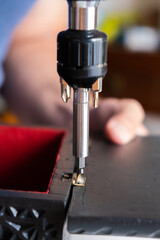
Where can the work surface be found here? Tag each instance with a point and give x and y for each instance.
(122, 192)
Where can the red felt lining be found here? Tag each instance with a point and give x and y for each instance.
(28, 157)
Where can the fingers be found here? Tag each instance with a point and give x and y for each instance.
(142, 131)
(127, 123)
(99, 116)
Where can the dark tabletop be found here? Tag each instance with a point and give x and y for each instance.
(122, 192)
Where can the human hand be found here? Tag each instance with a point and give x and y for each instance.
(32, 85)
(32, 82)
(121, 120)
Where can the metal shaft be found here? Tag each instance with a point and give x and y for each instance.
(80, 127)
(83, 15)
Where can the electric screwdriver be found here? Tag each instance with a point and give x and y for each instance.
(82, 65)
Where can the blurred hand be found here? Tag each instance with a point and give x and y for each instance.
(32, 85)
(121, 120)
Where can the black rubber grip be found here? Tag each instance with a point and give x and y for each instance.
(82, 56)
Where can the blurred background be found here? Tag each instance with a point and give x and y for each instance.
(133, 28)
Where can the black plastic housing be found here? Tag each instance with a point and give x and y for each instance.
(82, 57)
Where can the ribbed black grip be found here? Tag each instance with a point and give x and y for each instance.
(82, 56)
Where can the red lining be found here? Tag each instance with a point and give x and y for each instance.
(28, 157)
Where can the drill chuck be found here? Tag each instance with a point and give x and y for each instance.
(82, 57)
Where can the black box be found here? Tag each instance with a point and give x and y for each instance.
(34, 194)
